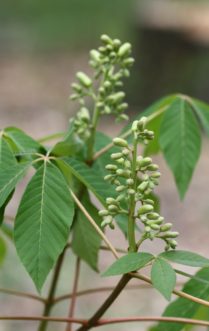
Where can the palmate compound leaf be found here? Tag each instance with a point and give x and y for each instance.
(180, 141)
(163, 277)
(183, 307)
(186, 258)
(128, 263)
(86, 241)
(43, 222)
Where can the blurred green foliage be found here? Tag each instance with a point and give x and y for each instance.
(61, 24)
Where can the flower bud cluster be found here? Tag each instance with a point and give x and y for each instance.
(111, 63)
(82, 123)
(135, 179)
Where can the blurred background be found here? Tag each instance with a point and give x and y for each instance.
(42, 45)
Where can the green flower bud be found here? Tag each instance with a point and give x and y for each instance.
(120, 188)
(76, 87)
(143, 186)
(123, 117)
(125, 151)
(116, 156)
(123, 173)
(112, 208)
(103, 212)
(166, 227)
(84, 114)
(172, 234)
(95, 55)
(121, 160)
(134, 127)
(131, 191)
(108, 177)
(149, 201)
(106, 39)
(120, 142)
(144, 162)
(173, 243)
(112, 226)
(153, 216)
(152, 167)
(107, 84)
(124, 50)
(160, 220)
(154, 226)
(111, 167)
(145, 209)
(110, 201)
(127, 164)
(116, 97)
(116, 43)
(129, 61)
(156, 175)
(84, 79)
(141, 123)
(147, 229)
(129, 181)
(74, 96)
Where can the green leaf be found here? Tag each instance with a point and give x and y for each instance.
(186, 258)
(3, 250)
(21, 142)
(202, 111)
(183, 307)
(91, 179)
(86, 241)
(128, 263)
(7, 158)
(163, 277)
(154, 125)
(180, 142)
(9, 178)
(3, 207)
(43, 222)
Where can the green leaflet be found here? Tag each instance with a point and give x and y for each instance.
(163, 277)
(180, 142)
(186, 258)
(186, 308)
(7, 158)
(90, 178)
(21, 142)
(128, 263)
(9, 178)
(202, 111)
(3, 207)
(43, 222)
(3, 250)
(86, 242)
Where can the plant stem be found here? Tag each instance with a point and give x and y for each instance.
(176, 292)
(91, 141)
(132, 205)
(49, 301)
(22, 294)
(74, 294)
(104, 289)
(108, 302)
(108, 321)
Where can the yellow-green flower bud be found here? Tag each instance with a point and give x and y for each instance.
(124, 50)
(152, 167)
(84, 79)
(147, 229)
(116, 156)
(108, 177)
(153, 216)
(95, 55)
(106, 39)
(166, 227)
(112, 208)
(120, 188)
(120, 142)
(145, 209)
(111, 201)
(141, 123)
(143, 186)
(129, 181)
(103, 212)
(154, 226)
(172, 234)
(131, 191)
(173, 243)
(111, 167)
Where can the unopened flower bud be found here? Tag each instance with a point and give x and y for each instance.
(103, 212)
(106, 39)
(120, 188)
(110, 201)
(166, 227)
(145, 209)
(154, 226)
(124, 50)
(84, 79)
(116, 156)
(111, 167)
(120, 142)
